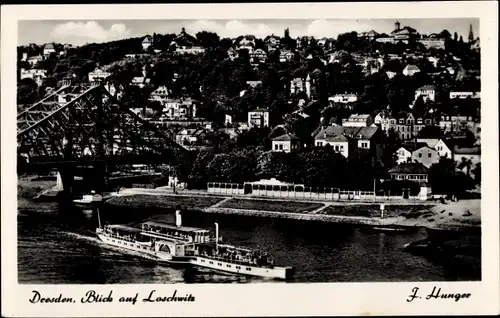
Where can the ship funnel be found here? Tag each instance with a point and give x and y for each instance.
(178, 218)
(216, 233)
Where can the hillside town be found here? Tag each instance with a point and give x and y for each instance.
(395, 114)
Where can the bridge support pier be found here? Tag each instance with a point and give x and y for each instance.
(66, 174)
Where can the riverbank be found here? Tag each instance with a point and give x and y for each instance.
(30, 187)
(452, 216)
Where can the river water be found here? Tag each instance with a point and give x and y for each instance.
(57, 245)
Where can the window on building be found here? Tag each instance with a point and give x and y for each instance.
(281, 146)
(336, 148)
(318, 143)
(429, 155)
(420, 155)
(276, 147)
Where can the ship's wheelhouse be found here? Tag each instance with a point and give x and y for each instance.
(181, 233)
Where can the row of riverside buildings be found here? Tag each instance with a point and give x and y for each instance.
(362, 135)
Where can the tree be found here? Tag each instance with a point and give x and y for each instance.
(255, 137)
(208, 39)
(320, 167)
(274, 165)
(444, 178)
(348, 41)
(27, 91)
(419, 107)
(392, 143)
(445, 34)
(134, 97)
(218, 140)
(237, 166)
(198, 177)
(477, 173)
(465, 164)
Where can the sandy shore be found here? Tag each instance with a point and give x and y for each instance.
(452, 216)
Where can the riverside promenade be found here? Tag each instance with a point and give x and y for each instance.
(184, 192)
(397, 213)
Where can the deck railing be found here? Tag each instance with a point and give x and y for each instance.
(233, 261)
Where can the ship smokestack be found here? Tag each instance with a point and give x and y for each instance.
(216, 235)
(178, 218)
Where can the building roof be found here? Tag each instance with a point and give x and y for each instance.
(427, 88)
(254, 83)
(345, 95)
(185, 39)
(161, 88)
(138, 79)
(259, 110)
(272, 36)
(424, 146)
(147, 39)
(329, 131)
(404, 30)
(364, 133)
(48, 46)
(286, 137)
(359, 116)
(338, 138)
(467, 150)
(368, 33)
(411, 67)
(259, 51)
(409, 168)
(191, 131)
(431, 142)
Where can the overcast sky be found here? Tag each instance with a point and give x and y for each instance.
(81, 32)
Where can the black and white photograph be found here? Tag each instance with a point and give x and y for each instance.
(245, 151)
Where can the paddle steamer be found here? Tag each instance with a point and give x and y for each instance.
(191, 246)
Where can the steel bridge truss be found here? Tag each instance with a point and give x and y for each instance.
(84, 122)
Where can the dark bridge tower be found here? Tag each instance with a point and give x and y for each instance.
(102, 176)
(67, 170)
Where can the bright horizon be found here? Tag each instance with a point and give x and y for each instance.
(80, 32)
